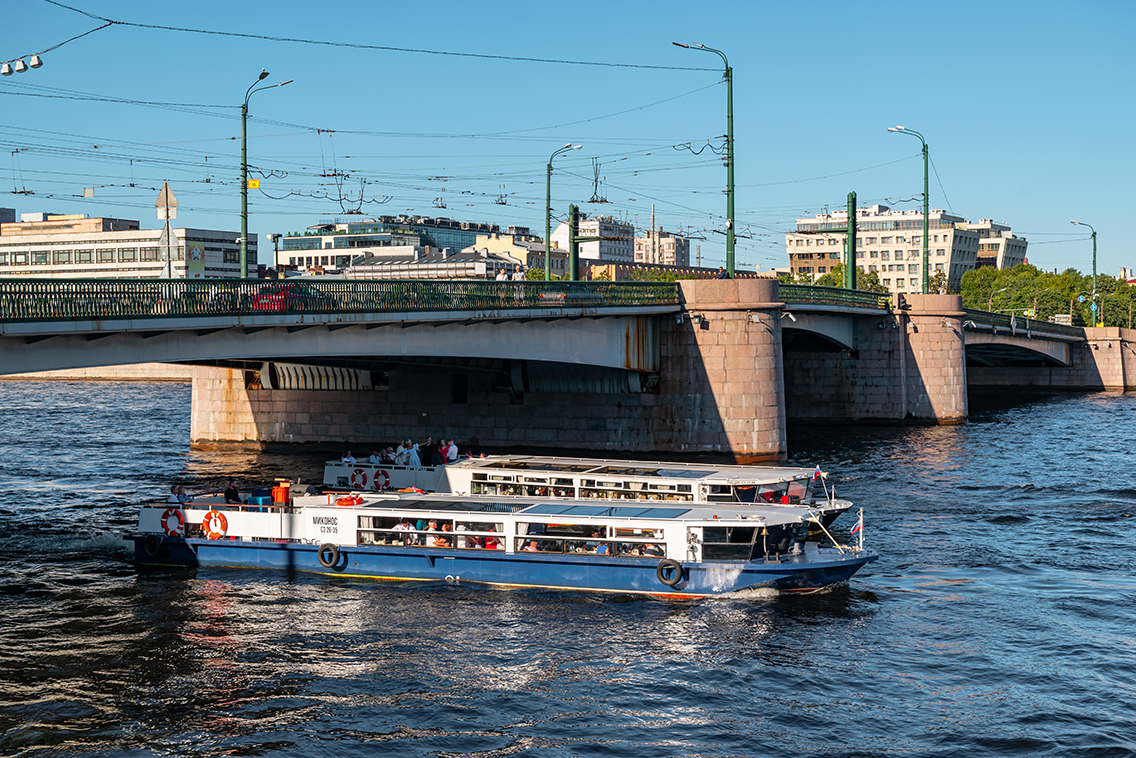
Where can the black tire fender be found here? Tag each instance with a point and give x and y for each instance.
(151, 544)
(671, 566)
(328, 555)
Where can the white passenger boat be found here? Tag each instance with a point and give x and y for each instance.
(670, 548)
(599, 479)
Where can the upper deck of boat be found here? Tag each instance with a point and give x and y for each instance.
(599, 467)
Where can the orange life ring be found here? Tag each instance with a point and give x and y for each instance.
(413, 489)
(352, 500)
(359, 479)
(386, 479)
(214, 525)
(177, 529)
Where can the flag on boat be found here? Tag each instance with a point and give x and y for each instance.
(858, 526)
(816, 474)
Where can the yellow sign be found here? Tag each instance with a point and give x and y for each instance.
(254, 184)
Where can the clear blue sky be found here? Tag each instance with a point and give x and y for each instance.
(1028, 109)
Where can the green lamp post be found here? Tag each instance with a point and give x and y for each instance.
(244, 166)
(548, 209)
(926, 205)
(729, 77)
(1094, 306)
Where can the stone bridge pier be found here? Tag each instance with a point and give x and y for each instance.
(908, 364)
(716, 388)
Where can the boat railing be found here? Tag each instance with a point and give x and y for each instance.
(576, 545)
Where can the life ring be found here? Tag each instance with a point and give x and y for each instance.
(386, 479)
(214, 525)
(413, 489)
(328, 555)
(669, 565)
(359, 479)
(177, 527)
(350, 500)
(151, 545)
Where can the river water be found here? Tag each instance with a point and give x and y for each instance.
(998, 622)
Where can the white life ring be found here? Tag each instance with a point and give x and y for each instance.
(214, 525)
(359, 479)
(386, 479)
(173, 522)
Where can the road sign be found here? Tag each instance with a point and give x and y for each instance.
(1080, 298)
(1093, 307)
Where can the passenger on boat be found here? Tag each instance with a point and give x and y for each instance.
(654, 550)
(173, 494)
(232, 495)
(405, 526)
(461, 542)
(452, 452)
(375, 457)
(531, 547)
(491, 543)
(184, 497)
(412, 458)
(441, 541)
(348, 458)
(400, 454)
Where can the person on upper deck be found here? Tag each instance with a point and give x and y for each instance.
(348, 458)
(173, 494)
(232, 495)
(183, 497)
(376, 457)
(451, 452)
(412, 458)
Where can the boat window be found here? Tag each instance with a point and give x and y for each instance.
(773, 541)
(728, 542)
(798, 491)
(745, 493)
(772, 493)
(462, 535)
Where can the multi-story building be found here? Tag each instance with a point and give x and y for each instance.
(617, 245)
(662, 248)
(334, 243)
(890, 243)
(75, 246)
(526, 248)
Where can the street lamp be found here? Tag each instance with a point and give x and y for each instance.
(244, 167)
(1094, 308)
(548, 210)
(926, 204)
(729, 77)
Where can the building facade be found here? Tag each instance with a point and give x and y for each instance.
(524, 247)
(617, 245)
(662, 248)
(78, 247)
(890, 244)
(333, 244)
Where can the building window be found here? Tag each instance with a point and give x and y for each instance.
(887, 282)
(231, 256)
(913, 268)
(62, 256)
(885, 255)
(127, 254)
(873, 254)
(914, 283)
(938, 267)
(872, 268)
(40, 258)
(3, 259)
(150, 254)
(885, 240)
(821, 269)
(940, 253)
(84, 256)
(19, 259)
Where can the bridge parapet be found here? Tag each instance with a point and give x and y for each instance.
(1012, 325)
(23, 300)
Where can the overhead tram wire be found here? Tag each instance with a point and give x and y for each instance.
(383, 48)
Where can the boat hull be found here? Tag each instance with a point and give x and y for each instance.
(807, 572)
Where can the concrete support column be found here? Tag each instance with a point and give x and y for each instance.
(934, 357)
(722, 382)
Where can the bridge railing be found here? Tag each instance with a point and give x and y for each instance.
(69, 299)
(1018, 324)
(805, 293)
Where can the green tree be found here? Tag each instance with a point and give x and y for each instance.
(868, 281)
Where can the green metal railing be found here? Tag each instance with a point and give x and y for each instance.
(808, 294)
(1020, 325)
(59, 299)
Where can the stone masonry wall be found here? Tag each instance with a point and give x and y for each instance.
(1106, 361)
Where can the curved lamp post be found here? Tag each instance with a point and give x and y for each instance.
(1094, 308)
(926, 204)
(729, 77)
(244, 166)
(548, 210)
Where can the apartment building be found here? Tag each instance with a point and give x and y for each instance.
(662, 248)
(78, 247)
(890, 243)
(616, 246)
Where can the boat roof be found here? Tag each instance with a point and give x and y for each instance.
(639, 469)
(485, 505)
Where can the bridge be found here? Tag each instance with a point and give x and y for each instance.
(706, 365)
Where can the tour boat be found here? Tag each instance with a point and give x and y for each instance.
(599, 479)
(670, 548)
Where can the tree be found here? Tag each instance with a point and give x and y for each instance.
(867, 281)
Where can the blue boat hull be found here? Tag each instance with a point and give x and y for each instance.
(623, 574)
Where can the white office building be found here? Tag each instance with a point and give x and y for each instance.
(890, 243)
(617, 245)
